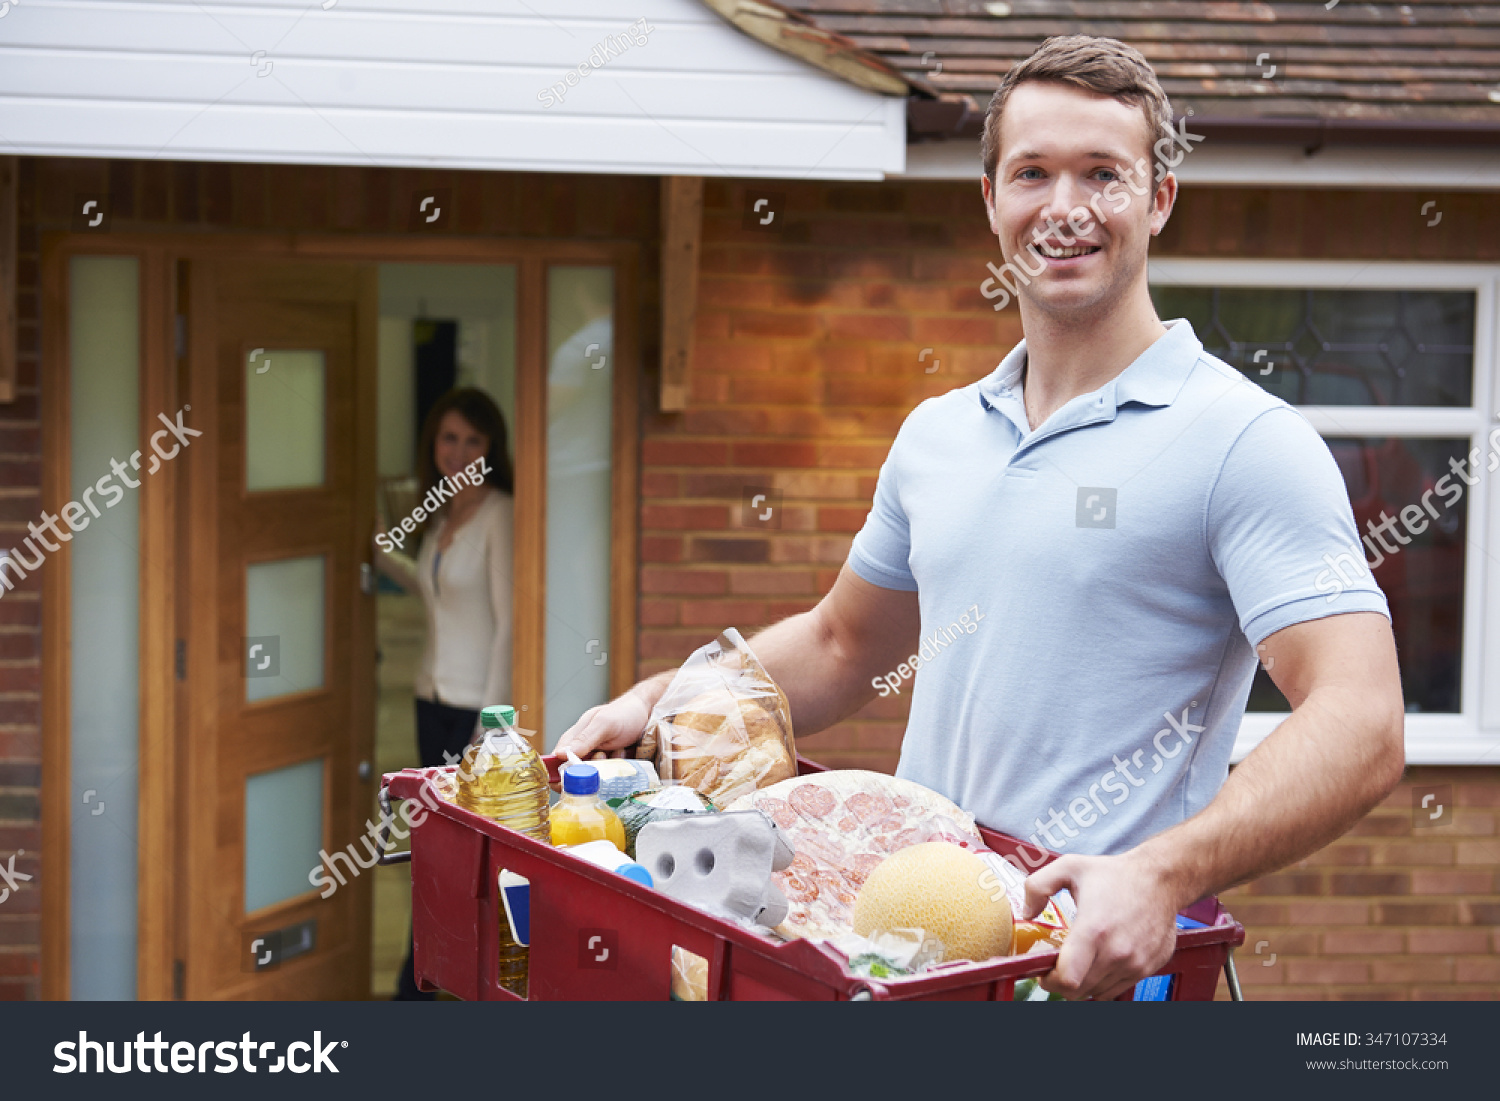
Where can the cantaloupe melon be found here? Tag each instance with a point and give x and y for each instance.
(939, 888)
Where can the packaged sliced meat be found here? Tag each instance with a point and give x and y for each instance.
(842, 825)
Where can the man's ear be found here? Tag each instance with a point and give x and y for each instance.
(987, 189)
(1162, 203)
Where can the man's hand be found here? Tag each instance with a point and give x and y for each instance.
(612, 727)
(1126, 927)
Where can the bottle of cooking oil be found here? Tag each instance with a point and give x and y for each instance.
(503, 778)
(580, 815)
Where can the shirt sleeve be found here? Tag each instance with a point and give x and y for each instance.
(500, 552)
(881, 552)
(1282, 533)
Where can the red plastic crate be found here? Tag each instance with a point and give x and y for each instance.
(597, 936)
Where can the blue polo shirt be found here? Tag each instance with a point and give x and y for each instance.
(1093, 592)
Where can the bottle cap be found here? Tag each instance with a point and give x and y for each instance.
(502, 714)
(580, 780)
(636, 872)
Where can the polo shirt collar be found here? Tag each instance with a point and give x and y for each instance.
(1156, 376)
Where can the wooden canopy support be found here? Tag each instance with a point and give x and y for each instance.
(681, 236)
(10, 191)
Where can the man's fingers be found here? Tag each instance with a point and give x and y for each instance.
(1073, 963)
(1043, 883)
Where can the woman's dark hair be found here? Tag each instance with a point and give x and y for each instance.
(480, 410)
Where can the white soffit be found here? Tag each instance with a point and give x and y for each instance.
(1271, 166)
(449, 83)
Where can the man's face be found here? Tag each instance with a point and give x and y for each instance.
(1075, 187)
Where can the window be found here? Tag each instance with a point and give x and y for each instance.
(1394, 364)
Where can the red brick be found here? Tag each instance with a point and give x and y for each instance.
(661, 548)
(21, 678)
(1327, 972)
(19, 930)
(1348, 856)
(1447, 941)
(1328, 913)
(772, 582)
(673, 452)
(718, 614)
(845, 455)
(1260, 913)
(1416, 913)
(1442, 882)
(1479, 852)
(16, 964)
(1421, 853)
(1381, 825)
(788, 453)
(658, 613)
(685, 517)
(684, 582)
(1477, 969)
(1412, 970)
(1346, 942)
(1288, 884)
(841, 519)
(1479, 913)
(773, 323)
(660, 483)
(1367, 883)
(729, 550)
(1478, 795)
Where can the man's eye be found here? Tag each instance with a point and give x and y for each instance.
(1029, 174)
(1107, 174)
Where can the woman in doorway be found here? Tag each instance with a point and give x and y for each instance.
(463, 573)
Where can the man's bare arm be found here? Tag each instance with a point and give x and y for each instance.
(823, 659)
(1317, 774)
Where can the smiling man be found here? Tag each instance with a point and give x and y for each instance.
(1128, 521)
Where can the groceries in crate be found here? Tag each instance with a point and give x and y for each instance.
(842, 825)
(605, 855)
(643, 808)
(502, 777)
(721, 863)
(581, 816)
(722, 726)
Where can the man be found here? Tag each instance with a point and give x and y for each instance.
(1126, 522)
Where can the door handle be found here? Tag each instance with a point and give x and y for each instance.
(367, 578)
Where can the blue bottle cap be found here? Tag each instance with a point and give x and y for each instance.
(637, 873)
(580, 780)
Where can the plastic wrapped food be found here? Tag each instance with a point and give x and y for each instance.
(722, 727)
(842, 825)
(643, 808)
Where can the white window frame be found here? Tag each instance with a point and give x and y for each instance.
(1473, 735)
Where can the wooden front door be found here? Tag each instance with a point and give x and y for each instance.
(277, 618)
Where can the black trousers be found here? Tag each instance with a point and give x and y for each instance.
(440, 730)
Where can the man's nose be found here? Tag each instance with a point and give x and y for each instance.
(1064, 197)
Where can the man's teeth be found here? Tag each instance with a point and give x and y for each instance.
(1063, 253)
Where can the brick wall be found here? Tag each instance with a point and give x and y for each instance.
(818, 332)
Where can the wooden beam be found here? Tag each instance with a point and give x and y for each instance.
(681, 236)
(10, 192)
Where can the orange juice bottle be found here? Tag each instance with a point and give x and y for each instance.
(580, 815)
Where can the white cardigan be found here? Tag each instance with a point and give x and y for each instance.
(467, 594)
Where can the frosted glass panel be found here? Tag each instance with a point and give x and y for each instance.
(284, 419)
(283, 627)
(283, 832)
(580, 377)
(104, 575)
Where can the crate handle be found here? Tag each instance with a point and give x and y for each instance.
(385, 832)
(1232, 977)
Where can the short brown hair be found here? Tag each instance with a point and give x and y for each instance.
(1104, 66)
